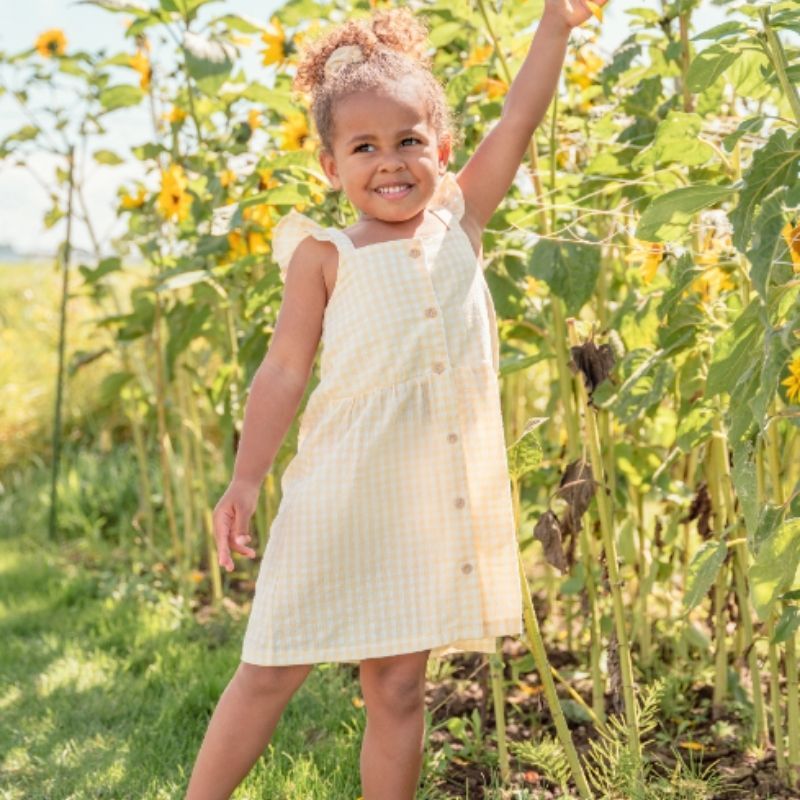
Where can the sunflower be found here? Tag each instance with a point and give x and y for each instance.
(275, 41)
(175, 115)
(173, 199)
(128, 201)
(254, 118)
(791, 233)
(479, 55)
(141, 63)
(51, 43)
(227, 177)
(792, 383)
(295, 133)
(583, 69)
(650, 254)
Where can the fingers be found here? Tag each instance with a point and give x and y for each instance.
(231, 534)
(239, 544)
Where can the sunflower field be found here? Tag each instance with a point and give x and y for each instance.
(645, 270)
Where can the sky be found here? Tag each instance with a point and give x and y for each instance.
(24, 199)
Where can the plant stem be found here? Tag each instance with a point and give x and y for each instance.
(610, 547)
(771, 44)
(62, 336)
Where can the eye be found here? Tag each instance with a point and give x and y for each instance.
(367, 144)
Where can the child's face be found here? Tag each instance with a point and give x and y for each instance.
(399, 147)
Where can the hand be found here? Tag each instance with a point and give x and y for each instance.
(571, 12)
(231, 521)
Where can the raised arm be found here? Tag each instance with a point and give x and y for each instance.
(486, 177)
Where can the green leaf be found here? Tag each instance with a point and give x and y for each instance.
(703, 572)
(276, 101)
(676, 140)
(570, 269)
(242, 23)
(745, 482)
(112, 385)
(733, 351)
(120, 96)
(668, 216)
(696, 426)
(647, 377)
(287, 195)
(751, 125)
(787, 624)
(721, 31)
(708, 65)
(525, 454)
(767, 242)
(774, 357)
(107, 265)
(773, 165)
(107, 157)
(443, 34)
(209, 60)
(775, 567)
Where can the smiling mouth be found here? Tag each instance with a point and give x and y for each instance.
(386, 191)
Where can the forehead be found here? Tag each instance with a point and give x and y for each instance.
(377, 112)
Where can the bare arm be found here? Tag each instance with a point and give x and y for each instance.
(280, 381)
(486, 178)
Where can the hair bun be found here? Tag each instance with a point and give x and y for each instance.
(341, 57)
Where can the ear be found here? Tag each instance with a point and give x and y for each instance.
(445, 146)
(328, 164)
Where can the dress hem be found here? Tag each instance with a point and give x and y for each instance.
(483, 643)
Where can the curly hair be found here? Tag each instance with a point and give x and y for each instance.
(392, 42)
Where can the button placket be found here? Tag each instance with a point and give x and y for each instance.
(467, 555)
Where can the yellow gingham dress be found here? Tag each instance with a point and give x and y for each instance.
(395, 530)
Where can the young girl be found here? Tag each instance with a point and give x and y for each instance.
(394, 540)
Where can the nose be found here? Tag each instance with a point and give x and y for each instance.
(392, 163)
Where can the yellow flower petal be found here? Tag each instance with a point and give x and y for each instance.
(51, 43)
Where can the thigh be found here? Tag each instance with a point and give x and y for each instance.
(280, 680)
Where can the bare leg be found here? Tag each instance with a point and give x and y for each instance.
(241, 727)
(394, 740)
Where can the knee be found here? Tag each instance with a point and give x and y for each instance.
(259, 680)
(399, 694)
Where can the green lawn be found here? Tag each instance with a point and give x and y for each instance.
(108, 683)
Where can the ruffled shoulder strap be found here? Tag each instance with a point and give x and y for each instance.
(448, 195)
(290, 231)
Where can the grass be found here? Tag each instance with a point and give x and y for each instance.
(108, 679)
(108, 683)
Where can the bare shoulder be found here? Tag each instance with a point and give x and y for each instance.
(319, 260)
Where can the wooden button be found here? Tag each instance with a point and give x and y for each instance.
(438, 367)
(466, 568)
(460, 502)
(415, 252)
(452, 437)
(431, 312)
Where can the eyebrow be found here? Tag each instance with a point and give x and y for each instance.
(365, 136)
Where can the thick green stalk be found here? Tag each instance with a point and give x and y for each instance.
(714, 481)
(771, 44)
(165, 450)
(595, 647)
(740, 567)
(645, 642)
(214, 569)
(610, 548)
(551, 696)
(52, 528)
(772, 649)
(793, 713)
(498, 699)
